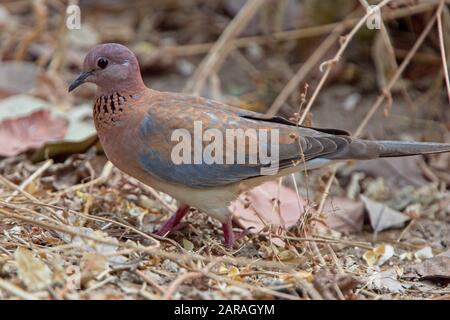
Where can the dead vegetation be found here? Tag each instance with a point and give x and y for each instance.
(74, 227)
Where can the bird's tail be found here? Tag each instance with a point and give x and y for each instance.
(369, 149)
(409, 148)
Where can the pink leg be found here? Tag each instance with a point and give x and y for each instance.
(228, 234)
(173, 221)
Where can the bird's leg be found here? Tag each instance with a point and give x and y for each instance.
(244, 232)
(229, 236)
(173, 221)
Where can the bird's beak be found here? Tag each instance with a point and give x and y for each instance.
(80, 80)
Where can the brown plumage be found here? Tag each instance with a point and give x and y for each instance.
(135, 125)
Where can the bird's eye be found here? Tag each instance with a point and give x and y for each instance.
(102, 63)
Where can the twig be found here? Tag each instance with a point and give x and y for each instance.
(179, 280)
(150, 281)
(157, 195)
(297, 34)
(308, 288)
(102, 219)
(18, 292)
(318, 253)
(442, 43)
(336, 260)
(304, 70)
(250, 287)
(382, 97)
(219, 51)
(30, 179)
(336, 241)
(178, 257)
(396, 76)
(104, 176)
(329, 64)
(41, 16)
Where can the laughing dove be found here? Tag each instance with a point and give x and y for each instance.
(141, 131)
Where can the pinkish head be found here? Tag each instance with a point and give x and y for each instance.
(112, 67)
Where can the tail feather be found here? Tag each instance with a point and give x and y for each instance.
(410, 148)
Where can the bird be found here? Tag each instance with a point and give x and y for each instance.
(135, 126)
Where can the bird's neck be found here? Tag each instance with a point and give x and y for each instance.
(127, 86)
(111, 109)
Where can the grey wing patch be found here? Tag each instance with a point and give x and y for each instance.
(195, 175)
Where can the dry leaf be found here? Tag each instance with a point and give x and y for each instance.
(257, 208)
(424, 253)
(78, 134)
(29, 132)
(382, 217)
(286, 255)
(386, 281)
(34, 273)
(344, 215)
(397, 172)
(379, 255)
(188, 245)
(435, 269)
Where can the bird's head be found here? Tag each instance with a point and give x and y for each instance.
(112, 67)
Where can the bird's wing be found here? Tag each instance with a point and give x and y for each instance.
(172, 112)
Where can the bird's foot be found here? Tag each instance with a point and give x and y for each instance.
(230, 237)
(171, 224)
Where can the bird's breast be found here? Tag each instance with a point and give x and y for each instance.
(109, 110)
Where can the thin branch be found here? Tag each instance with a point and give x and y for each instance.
(16, 291)
(329, 64)
(397, 75)
(30, 179)
(442, 43)
(221, 48)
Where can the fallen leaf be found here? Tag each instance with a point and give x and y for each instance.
(34, 273)
(78, 136)
(232, 272)
(30, 132)
(424, 253)
(379, 255)
(397, 172)
(257, 208)
(53, 149)
(344, 215)
(286, 255)
(435, 269)
(188, 245)
(386, 281)
(106, 250)
(382, 217)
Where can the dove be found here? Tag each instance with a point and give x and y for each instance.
(145, 133)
